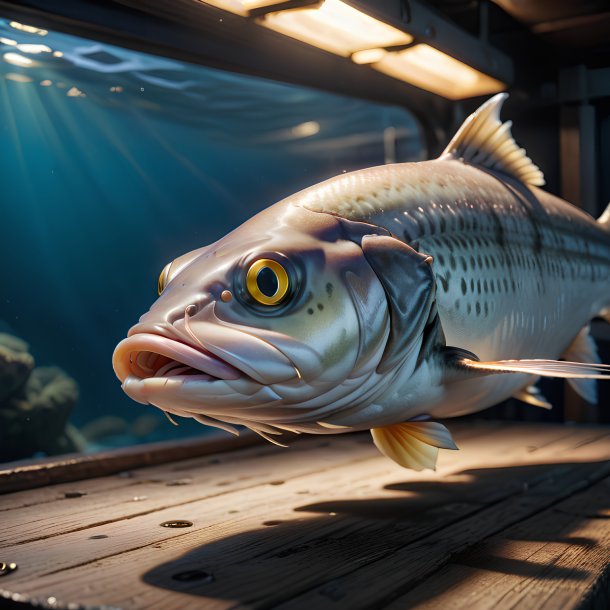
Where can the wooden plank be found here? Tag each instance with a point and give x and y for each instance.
(380, 511)
(167, 471)
(216, 477)
(156, 491)
(213, 519)
(29, 474)
(557, 559)
(411, 563)
(181, 469)
(327, 464)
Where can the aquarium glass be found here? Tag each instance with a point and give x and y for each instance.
(114, 162)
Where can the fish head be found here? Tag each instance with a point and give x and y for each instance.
(278, 324)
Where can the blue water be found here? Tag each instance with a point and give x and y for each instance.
(114, 162)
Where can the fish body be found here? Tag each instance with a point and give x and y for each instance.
(518, 271)
(382, 299)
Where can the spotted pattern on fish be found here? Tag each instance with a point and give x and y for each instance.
(511, 262)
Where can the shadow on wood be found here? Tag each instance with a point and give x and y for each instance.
(522, 521)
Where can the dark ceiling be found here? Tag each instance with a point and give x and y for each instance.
(557, 32)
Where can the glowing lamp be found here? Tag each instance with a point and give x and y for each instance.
(336, 27)
(368, 56)
(435, 71)
(240, 7)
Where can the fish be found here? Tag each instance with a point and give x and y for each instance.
(384, 299)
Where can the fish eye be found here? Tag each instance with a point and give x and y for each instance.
(163, 278)
(267, 282)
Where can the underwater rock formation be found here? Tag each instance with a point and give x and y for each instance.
(111, 430)
(16, 364)
(35, 404)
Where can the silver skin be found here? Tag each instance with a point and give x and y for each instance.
(292, 368)
(484, 263)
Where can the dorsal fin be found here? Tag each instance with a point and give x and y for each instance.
(485, 141)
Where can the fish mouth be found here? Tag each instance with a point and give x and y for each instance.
(146, 355)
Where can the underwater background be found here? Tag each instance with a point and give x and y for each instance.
(112, 163)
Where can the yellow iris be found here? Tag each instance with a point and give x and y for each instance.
(267, 281)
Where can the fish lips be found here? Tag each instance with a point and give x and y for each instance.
(150, 364)
(143, 355)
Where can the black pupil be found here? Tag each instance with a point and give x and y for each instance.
(267, 282)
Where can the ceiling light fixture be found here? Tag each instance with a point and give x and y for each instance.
(240, 7)
(336, 27)
(343, 29)
(435, 71)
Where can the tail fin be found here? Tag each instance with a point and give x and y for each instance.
(604, 219)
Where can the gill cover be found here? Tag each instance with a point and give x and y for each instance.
(408, 281)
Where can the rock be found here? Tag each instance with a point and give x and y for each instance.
(16, 364)
(14, 343)
(35, 419)
(49, 387)
(103, 427)
(145, 425)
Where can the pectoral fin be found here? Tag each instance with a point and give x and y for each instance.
(581, 375)
(543, 368)
(413, 445)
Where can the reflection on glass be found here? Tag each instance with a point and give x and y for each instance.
(17, 78)
(75, 92)
(304, 130)
(17, 60)
(28, 29)
(33, 48)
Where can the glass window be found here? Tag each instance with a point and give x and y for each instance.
(113, 163)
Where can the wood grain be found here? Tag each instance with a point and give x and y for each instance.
(329, 523)
(556, 559)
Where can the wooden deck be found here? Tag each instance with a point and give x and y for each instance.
(519, 518)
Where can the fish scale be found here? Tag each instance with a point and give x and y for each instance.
(546, 267)
(548, 262)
